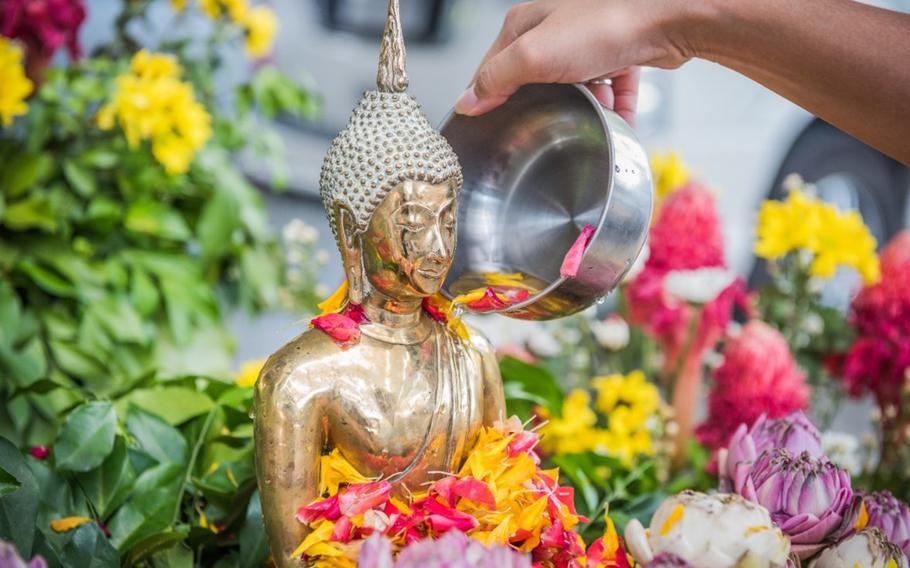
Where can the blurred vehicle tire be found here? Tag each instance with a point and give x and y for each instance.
(849, 174)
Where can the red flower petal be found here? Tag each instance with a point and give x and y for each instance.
(475, 490)
(356, 313)
(323, 509)
(572, 262)
(523, 443)
(434, 311)
(360, 497)
(442, 519)
(345, 331)
(343, 530)
(444, 488)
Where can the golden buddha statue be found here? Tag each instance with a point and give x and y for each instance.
(407, 401)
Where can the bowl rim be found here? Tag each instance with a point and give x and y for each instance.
(599, 110)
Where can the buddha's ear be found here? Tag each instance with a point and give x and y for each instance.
(351, 255)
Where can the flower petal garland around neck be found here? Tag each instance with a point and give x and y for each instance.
(500, 496)
(343, 327)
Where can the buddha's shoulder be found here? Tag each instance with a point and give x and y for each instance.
(310, 361)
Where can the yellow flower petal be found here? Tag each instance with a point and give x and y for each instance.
(249, 373)
(68, 523)
(674, 517)
(334, 303)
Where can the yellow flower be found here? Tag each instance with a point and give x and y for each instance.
(638, 399)
(832, 237)
(178, 5)
(260, 25)
(249, 373)
(151, 102)
(574, 432)
(16, 86)
(670, 174)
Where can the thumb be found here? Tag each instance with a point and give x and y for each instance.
(520, 63)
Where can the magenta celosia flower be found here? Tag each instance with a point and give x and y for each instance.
(877, 362)
(794, 433)
(809, 499)
(452, 550)
(686, 236)
(891, 515)
(758, 376)
(44, 25)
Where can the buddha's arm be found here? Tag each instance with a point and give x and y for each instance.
(289, 439)
(494, 400)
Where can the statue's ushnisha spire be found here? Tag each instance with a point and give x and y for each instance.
(393, 71)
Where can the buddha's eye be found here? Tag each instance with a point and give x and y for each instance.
(410, 219)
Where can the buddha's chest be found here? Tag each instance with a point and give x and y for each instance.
(412, 408)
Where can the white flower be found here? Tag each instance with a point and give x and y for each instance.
(698, 286)
(297, 231)
(813, 324)
(843, 449)
(612, 333)
(321, 290)
(322, 256)
(638, 265)
(720, 530)
(869, 548)
(543, 344)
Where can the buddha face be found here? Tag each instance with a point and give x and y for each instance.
(408, 246)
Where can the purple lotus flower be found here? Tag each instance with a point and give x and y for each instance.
(452, 550)
(809, 498)
(794, 433)
(890, 514)
(667, 560)
(9, 558)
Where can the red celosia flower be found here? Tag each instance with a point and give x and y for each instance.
(686, 236)
(44, 25)
(877, 362)
(758, 375)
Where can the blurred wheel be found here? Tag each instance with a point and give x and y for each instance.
(850, 175)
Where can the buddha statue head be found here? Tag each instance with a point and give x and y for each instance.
(389, 184)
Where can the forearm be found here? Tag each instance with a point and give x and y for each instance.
(846, 62)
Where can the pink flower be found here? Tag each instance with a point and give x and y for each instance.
(879, 358)
(572, 261)
(324, 509)
(686, 236)
(758, 376)
(443, 519)
(44, 25)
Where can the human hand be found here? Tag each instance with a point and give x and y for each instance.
(576, 41)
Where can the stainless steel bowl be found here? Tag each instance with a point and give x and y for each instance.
(536, 171)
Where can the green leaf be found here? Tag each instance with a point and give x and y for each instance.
(143, 515)
(107, 487)
(143, 292)
(216, 225)
(18, 509)
(120, 319)
(86, 437)
(77, 362)
(24, 366)
(156, 437)
(90, 548)
(175, 405)
(533, 380)
(100, 158)
(8, 483)
(22, 171)
(102, 214)
(254, 548)
(179, 556)
(48, 280)
(36, 211)
(79, 178)
(161, 542)
(158, 220)
(261, 272)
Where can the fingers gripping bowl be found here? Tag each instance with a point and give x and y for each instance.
(537, 171)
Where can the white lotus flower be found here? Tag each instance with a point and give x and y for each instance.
(612, 333)
(843, 449)
(869, 548)
(698, 286)
(720, 530)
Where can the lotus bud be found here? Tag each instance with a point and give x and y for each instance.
(868, 548)
(720, 530)
(891, 515)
